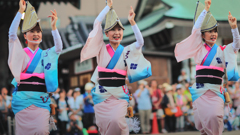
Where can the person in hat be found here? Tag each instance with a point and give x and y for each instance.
(34, 70)
(211, 60)
(143, 94)
(115, 63)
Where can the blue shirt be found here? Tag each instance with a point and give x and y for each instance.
(88, 105)
(144, 101)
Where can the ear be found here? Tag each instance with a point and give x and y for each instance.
(106, 33)
(25, 35)
(203, 35)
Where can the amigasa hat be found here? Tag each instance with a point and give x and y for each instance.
(112, 20)
(30, 19)
(209, 22)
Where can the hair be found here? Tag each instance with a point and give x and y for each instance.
(216, 28)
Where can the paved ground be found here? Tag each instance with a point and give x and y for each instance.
(196, 133)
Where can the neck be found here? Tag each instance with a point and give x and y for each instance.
(210, 44)
(114, 45)
(33, 47)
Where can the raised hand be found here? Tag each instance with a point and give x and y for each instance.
(109, 3)
(207, 4)
(22, 6)
(232, 21)
(54, 19)
(131, 17)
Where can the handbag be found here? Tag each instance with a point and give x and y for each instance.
(179, 112)
(168, 112)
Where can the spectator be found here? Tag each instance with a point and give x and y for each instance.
(143, 95)
(157, 96)
(181, 103)
(70, 94)
(236, 96)
(7, 99)
(62, 110)
(168, 106)
(56, 94)
(74, 126)
(3, 112)
(233, 120)
(183, 78)
(53, 101)
(187, 93)
(190, 118)
(76, 104)
(88, 106)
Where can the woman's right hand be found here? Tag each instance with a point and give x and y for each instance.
(207, 4)
(109, 3)
(22, 6)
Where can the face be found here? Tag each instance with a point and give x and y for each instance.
(4, 91)
(154, 84)
(141, 86)
(210, 37)
(34, 34)
(179, 91)
(62, 94)
(115, 35)
(69, 94)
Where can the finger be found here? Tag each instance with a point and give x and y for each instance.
(55, 12)
(230, 13)
(131, 8)
(52, 12)
(51, 16)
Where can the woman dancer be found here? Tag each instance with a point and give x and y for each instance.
(211, 59)
(115, 62)
(34, 70)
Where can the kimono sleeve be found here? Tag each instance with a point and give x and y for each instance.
(94, 42)
(17, 58)
(231, 63)
(138, 67)
(190, 46)
(50, 63)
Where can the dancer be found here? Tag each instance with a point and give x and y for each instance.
(115, 62)
(34, 70)
(211, 59)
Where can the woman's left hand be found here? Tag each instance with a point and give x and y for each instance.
(54, 19)
(232, 21)
(131, 17)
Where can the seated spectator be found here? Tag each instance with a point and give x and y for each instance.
(232, 121)
(70, 94)
(183, 78)
(76, 104)
(74, 126)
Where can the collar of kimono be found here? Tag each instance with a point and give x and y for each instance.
(110, 50)
(34, 59)
(115, 57)
(210, 55)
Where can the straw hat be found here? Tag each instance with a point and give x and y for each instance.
(112, 20)
(142, 82)
(30, 19)
(168, 88)
(89, 86)
(209, 22)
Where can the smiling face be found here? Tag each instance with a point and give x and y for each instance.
(115, 35)
(210, 37)
(35, 35)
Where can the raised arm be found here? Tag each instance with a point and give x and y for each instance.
(236, 37)
(56, 36)
(95, 41)
(198, 23)
(17, 58)
(137, 33)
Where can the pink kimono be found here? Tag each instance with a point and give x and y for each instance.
(208, 97)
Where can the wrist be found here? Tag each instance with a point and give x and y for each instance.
(207, 9)
(21, 11)
(234, 26)
(54, 27)
(132, 22)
